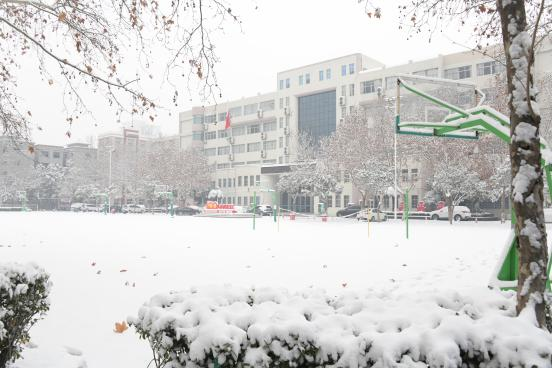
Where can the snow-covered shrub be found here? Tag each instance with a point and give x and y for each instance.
(237, 327)
(24, 290)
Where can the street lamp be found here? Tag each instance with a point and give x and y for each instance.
(111, 150)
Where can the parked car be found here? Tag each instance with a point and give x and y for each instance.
(133, 208)
(186, 211)
(262, 210)
(92, 207)
(77, 207)
(376, 215)
(349, 210)
(459, 213)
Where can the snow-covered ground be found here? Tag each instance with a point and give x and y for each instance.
(104, 268)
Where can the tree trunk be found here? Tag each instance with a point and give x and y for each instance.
(525, 156)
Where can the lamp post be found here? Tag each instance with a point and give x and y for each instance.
(111, 150)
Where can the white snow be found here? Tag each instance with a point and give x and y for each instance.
(104, 267)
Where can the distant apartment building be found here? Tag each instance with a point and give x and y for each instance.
(250, 156)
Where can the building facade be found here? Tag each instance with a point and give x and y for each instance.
(249, 157)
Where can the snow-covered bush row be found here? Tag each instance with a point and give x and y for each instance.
(275, 328)
(24, 290)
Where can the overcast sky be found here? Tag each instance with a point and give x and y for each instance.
(278, 35)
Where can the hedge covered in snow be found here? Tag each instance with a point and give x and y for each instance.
(24, 290)
(275, 328)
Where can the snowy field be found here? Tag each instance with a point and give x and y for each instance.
(104, 268)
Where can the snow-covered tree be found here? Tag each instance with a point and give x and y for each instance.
(362, 147)
(456, 183)
(48, 181)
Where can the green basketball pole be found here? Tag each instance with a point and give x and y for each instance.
(254, 208)
(406, 210)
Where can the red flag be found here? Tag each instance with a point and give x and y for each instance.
(227, 122)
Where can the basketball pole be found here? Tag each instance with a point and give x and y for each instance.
(397, 122)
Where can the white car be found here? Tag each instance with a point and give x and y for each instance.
(459, 213)
(77, 207)
(375, 215)
(133, 208)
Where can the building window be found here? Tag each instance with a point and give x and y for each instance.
(235, 111)
(254, 147)
(56, 155)
(287, 101)
(270, 126)
(414, 174)
(307, 78)
(386, 201)
(343, 111)
(390, 82)
(281, 123)
(414, 201)
(329, 201)
(239, 181)
(239, 148)
(281, 142)
(221, 116)
(269, 145)
(343, 70)
(489, 67)
(210, 152)
(252, 180)
(462, 72)
(210, 135)
(250, 109)
(281, 84)
(45, 153)
(321, 75)
(253, 129)
(346, 200)
(239, 201)
(210, 119)
(317, 114)
(224, 183)
(197, 119)
(197, 136)
(220, 183)
(237, 131)
(300, 80)
(370, 86)
(281, 102)
(351, 89)
(351, 68)
(280, 160)
(287, 83)
(267, 105)
(245, 201)
(404, 174)
(432, 72)
(221, 151)
(223, 133)
(245, 180)
(258, 181)
(328, 74)
(338, 200)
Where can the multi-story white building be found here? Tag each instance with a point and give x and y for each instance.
(249, 157)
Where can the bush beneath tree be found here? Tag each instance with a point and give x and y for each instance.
(24, 290)
(237, 327)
